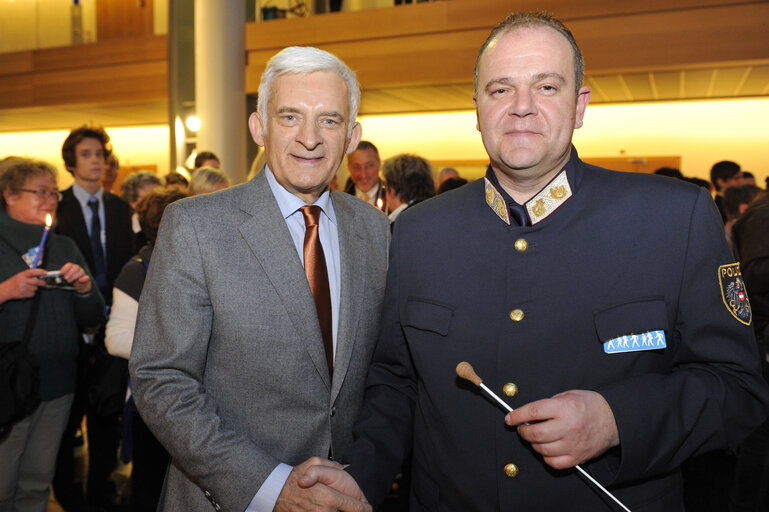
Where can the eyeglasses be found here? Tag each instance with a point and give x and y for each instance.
(42, 193)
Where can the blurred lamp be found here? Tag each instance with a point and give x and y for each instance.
(193, 123)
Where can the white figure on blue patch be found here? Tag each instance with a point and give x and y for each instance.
(30, 256)
(650, 340)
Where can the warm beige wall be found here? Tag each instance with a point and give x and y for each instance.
(700, 132)
(30, 24)
(134, 146)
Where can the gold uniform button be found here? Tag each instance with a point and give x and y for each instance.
(511, 470)
(510, 389)
(521, 245)
(516, 315)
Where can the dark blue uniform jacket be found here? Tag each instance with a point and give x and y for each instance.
(626, 255)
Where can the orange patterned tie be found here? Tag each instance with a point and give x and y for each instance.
(317, 276)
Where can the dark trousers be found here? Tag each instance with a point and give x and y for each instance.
(751, 477)
(68, 493)
(103, 431)
(150, 463)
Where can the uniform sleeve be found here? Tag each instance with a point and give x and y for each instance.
(383, 431)
(713, 395)
(167, 367)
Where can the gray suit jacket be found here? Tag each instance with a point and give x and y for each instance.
(227, 366)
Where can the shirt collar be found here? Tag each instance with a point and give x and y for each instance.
(83, 196)
(290, 204)
(372, 191)
(394, 214)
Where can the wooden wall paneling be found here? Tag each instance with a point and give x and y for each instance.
(487, 13)
(344, 26)
(16, 62)
(16, 91)
(420, 54)
(445, 16)
(125, 82)
(137, 49)
(445, 58)
(113, 71)
(694, 37)
(118, 19)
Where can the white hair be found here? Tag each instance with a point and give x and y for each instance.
(305, 60)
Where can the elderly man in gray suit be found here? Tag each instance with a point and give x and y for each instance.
(249, 356)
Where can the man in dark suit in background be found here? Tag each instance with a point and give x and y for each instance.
(606, 306)
(724, 174)
(364, 182)
(100, 224)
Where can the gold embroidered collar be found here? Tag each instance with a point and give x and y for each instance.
(538, 207)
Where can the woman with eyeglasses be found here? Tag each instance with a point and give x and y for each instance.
(28, 192)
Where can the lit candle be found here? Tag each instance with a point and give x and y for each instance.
(48, 222)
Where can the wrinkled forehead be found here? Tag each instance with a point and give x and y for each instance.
(317, 87)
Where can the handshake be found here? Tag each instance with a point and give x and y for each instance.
(319, 484)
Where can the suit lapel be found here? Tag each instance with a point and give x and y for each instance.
(353, 284)
(72, 224)
(268, 237)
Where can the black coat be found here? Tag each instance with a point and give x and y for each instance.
(119, 235)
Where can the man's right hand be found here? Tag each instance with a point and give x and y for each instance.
(319, 484)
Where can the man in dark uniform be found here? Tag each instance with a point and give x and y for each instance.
(610, 300)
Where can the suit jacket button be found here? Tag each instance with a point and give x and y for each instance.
(521, 245)
(511, 470)
(510, 389)
(516, 315)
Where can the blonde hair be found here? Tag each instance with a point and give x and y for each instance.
(208, 179)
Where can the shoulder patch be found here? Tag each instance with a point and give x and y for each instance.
(733, 292)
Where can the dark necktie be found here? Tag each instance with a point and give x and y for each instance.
(99, 266)
(518, 213)
(317, 276)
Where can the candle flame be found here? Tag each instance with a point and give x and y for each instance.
(379, 203)
(48, 220)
